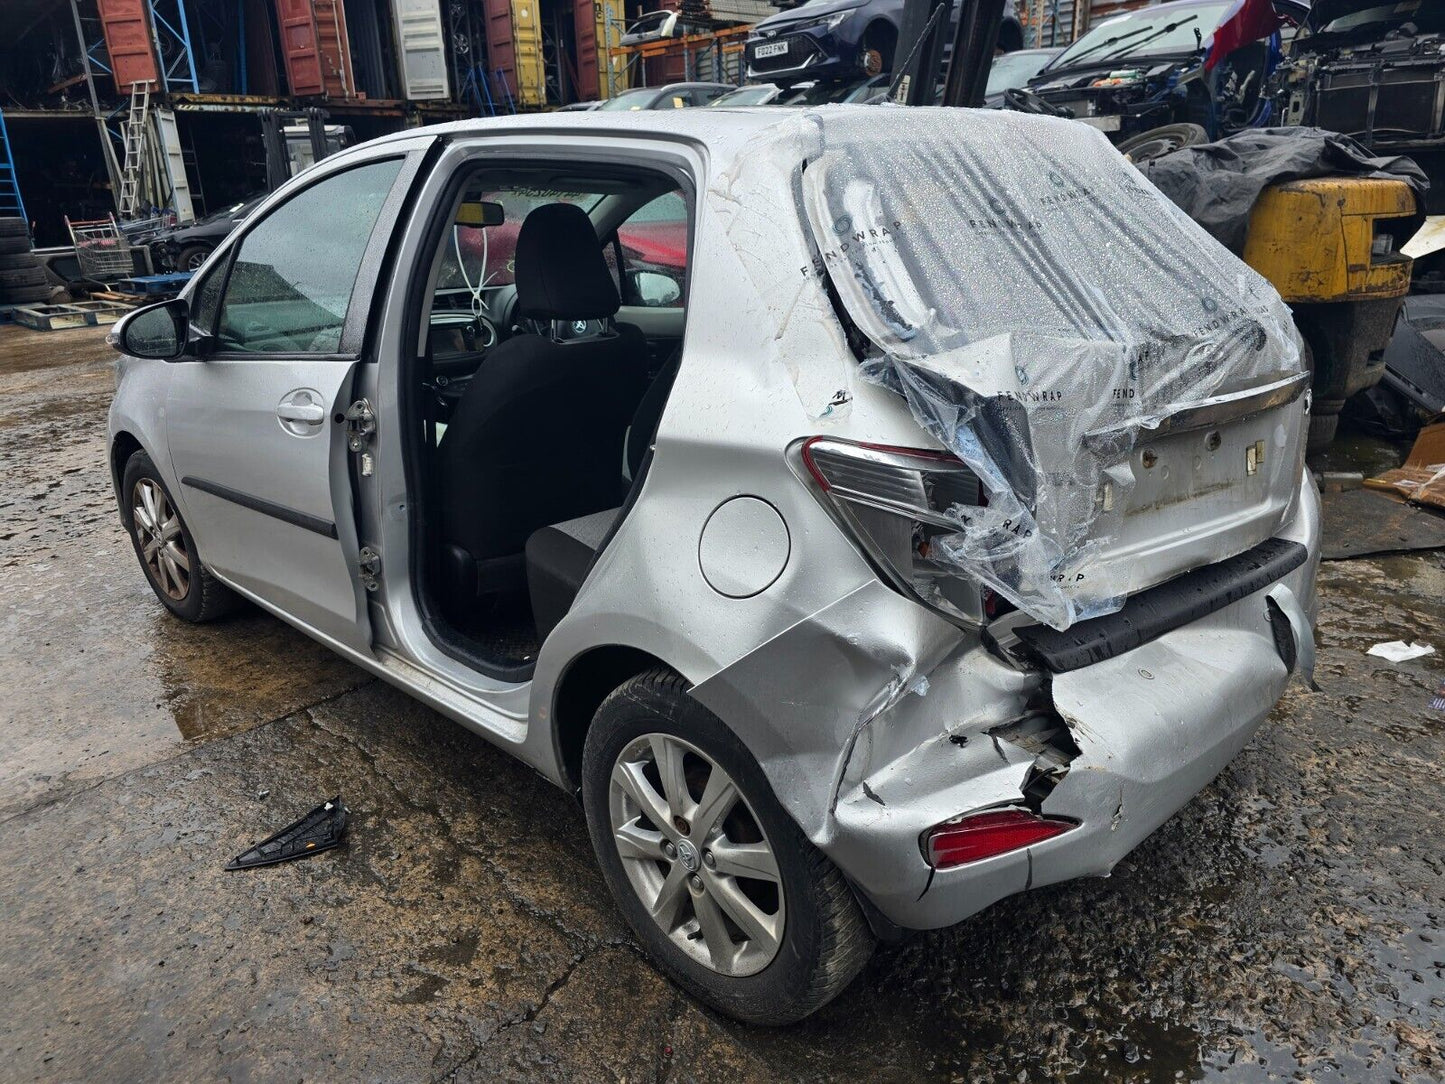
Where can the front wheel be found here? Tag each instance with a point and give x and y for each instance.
(1166, 139)
(192, 257)
(721, 887)
(876, 56)
(164, 546)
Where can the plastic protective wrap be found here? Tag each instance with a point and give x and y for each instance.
(1039, 305)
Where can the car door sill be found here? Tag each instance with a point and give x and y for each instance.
(432, 690)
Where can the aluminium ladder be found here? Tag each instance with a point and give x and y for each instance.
(134, 137)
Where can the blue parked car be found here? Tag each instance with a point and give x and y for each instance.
(836, 39)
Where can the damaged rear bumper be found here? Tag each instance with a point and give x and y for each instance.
(1136, 736)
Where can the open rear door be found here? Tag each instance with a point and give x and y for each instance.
(128, 41)
(299, 47)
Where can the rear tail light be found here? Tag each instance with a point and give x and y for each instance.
(895, 502)
(983, 835)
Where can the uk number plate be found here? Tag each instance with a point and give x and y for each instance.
(772, 48)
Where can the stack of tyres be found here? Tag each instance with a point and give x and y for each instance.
(22, 276)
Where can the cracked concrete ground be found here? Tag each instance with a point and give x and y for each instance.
(1286, 924)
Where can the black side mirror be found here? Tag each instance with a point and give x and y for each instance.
(157, 331)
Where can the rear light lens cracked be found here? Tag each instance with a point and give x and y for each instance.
(896, 502)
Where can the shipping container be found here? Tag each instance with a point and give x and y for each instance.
(421, 49)
(299, 47)
(127, 28)
(1047, 23)
(593, 47)
(333, 43)
(515, 49)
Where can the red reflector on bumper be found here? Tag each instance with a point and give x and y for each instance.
(984, 835)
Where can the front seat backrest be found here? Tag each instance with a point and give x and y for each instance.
(537, 437)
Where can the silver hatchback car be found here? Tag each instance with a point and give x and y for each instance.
(868, 513)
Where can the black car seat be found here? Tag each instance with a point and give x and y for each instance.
(559, 556)
(537, 437)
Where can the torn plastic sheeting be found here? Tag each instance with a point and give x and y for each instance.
(1218, 183)
(1023, 288)
(1399, 651)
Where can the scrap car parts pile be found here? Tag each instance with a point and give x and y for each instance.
(1375, 72)
(1041, 342)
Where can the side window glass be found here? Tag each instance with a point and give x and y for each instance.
(292, 276)
(653, 249)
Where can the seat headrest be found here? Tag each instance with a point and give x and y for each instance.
(560, 271)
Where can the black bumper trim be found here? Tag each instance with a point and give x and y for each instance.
(1150, 614)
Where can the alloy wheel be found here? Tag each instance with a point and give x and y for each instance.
(158, 535)
(696, 855)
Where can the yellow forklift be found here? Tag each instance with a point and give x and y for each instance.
(1330, 246)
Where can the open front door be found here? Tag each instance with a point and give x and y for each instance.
(256, 428)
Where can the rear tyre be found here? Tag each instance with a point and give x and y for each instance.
(165, 549)
(721, 887)
(1166, 139)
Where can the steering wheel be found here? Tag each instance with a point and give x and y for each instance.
(1026, 101)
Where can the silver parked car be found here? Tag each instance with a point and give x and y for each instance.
(866, 522)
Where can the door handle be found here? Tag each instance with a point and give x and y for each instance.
(301, 412)
(311, 413)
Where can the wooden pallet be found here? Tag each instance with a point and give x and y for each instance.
(77, 314)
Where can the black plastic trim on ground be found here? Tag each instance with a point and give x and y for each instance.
(267, 508)
(1150, 614)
